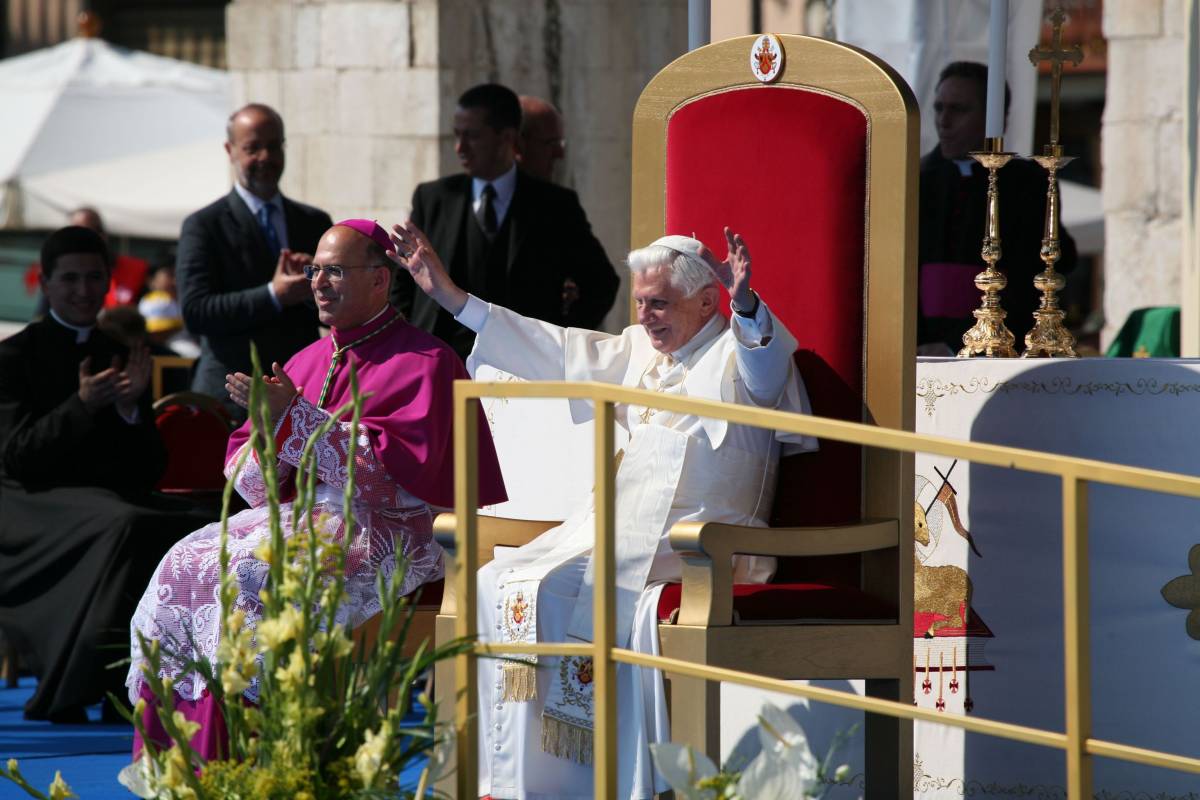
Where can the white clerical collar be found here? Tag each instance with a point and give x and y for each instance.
(81, 334)
(710, 331)
(255, 203)
(505, 186)
(965, 165)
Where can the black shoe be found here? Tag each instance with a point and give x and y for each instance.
(71, 715)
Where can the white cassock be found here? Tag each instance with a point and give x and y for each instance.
(535, 725)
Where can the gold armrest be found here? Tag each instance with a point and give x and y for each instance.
(490, 533)
(707, 550)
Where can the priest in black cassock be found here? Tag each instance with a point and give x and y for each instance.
(80, 533)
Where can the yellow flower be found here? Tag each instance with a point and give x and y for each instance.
(185, 726)
(139, 708)
(291, 676)
(263, 553)
(284, 628)
(236, 620)
(232, 681)
(59, 790)
(12, 765)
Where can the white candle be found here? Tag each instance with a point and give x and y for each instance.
(997, 65)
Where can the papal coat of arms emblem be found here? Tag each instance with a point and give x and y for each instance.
(766, 57)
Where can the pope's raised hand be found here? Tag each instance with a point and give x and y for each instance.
(734, 271)
(414, 253)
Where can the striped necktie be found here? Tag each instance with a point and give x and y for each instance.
(268, 229)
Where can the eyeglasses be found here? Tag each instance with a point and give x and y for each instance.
(334, 271)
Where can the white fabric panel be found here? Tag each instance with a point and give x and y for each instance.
(919, 37)
(135, 135)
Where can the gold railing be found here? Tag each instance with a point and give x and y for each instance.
(1077, 742)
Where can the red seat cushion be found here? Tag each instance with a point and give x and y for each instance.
(428, 594)
(195, 440)
(785, 602)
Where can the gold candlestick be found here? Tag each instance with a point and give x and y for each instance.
(1049, 338)
(989, 336)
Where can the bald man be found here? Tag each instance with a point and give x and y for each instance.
(542, 143)
(241, 261)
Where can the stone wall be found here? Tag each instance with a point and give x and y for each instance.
(367, 89)
(1142, 150)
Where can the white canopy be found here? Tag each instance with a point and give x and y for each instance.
(136, 136)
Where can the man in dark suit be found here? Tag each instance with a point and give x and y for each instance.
(506, 236)
(240, 266)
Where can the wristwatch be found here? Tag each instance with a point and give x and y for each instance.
(753, 309)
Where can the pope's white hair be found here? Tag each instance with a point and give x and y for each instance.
(688, 274)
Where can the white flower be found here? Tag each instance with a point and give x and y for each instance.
(683, 768)
(369, 758)
(783, 738)
(140, 777)
(771, 778)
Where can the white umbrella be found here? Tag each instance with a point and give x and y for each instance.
(1083, 216)
(136, 136)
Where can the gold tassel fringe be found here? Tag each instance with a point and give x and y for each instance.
(520, 682)
(564, 740)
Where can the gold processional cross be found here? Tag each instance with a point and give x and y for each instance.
(1057, 56)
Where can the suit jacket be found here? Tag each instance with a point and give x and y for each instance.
(953, 210)
(223, 268)
(549, 240)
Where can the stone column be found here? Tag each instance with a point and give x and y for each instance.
(1142, 154)
(367, 90)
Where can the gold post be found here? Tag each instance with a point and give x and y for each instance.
(1076, 642)
(466, 496)
(989, 336)
(604, 669)
(1049, 337)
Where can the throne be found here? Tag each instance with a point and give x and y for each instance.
(818, 169)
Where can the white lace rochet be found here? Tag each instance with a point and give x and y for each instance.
(181, 606)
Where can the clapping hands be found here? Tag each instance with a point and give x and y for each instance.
(122, 387)
(279, 390)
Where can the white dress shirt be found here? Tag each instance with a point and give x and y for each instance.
(504, 185)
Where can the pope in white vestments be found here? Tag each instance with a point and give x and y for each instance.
(535, 714)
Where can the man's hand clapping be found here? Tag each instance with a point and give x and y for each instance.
(133, 380)
(414, 253)
(278, 388)
(114, 385)
(291, 287)
(99, 390)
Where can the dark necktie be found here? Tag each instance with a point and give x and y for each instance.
(487, 210)
(268, 229)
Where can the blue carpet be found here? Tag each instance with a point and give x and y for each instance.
(89, 756)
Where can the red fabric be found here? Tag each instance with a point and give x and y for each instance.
(778, 602)
(128, 280)
(195, 441)
(787, 169)
(429, 594)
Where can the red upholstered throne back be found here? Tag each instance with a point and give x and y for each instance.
(787, 168)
